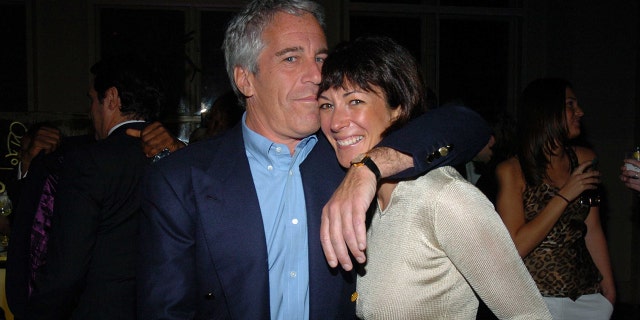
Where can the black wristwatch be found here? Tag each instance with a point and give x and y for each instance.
(365, 160)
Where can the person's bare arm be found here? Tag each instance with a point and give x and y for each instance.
(342, 218)
(527, 235)
(443, 136)
(597, 246)
(45, 139)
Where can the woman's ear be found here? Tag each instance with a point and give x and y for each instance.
(243, 79)
(395, 113)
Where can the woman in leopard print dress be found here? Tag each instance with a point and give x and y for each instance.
(540, 200)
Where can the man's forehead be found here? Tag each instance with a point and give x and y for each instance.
(288, 32)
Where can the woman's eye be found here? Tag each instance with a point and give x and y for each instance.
(326, 106)
(356, 101)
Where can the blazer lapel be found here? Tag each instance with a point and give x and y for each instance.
(229, 212)
(329, 289)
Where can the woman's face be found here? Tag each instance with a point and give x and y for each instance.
(573, 113)
(353, 120)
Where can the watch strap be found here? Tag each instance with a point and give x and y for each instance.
(368, 162)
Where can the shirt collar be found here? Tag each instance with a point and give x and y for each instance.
(259, 146)
(121, 124)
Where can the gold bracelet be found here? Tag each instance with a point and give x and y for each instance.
(563, 198)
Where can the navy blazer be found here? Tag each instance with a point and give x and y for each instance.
(202, 250)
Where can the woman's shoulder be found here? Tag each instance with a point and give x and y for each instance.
(443, 175)
(584, 153)
(510, 166)
(445, 182)
(434, 183)
(509, 173)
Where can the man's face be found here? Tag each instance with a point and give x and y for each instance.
(573, 112)
(281, 96)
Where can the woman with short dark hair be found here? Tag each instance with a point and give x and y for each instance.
(432, 241)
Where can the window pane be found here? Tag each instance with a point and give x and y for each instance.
(406, 31)
(429, 2)
(13, 58)
(215, 81)
(474, 60)
(159, 35)
(482, 3)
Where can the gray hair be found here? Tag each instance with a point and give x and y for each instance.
(243, 39)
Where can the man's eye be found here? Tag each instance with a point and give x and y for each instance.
(290, 59)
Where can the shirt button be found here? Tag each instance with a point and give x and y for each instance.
(269, 168)
(294, 221)
(290, 172)
(278, 149)
(292, 274)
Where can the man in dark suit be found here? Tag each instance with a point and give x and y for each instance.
(43, 149)
(231, 226)
(90, 269)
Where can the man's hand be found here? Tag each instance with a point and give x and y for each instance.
(155, 137)
(45, 139)
(344, 215)
(343, 218)
(630, 178)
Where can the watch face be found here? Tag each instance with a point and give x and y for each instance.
(358, 159)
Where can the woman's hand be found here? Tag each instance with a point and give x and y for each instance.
(581, 179)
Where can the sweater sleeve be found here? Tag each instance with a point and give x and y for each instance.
(477, 242)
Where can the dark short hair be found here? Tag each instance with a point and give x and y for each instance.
(381, 62)
(137, 83)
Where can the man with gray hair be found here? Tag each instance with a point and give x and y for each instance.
(231, 226)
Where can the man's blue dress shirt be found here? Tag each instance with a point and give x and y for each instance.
(276, 176)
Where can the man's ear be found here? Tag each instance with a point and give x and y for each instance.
(243, 79)
(112, 99)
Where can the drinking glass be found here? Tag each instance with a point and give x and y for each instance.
(635, 155)
(591, 197)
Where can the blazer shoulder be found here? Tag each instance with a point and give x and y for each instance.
(222, 151)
